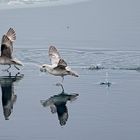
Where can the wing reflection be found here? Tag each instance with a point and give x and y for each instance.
(8, 95)
(57, 104)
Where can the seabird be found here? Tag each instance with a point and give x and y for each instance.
(106, 81)
(59, 66)
(7, 49)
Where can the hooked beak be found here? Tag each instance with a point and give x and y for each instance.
(42, 69)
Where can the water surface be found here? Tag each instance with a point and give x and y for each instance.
(100, 112)
(99, 40)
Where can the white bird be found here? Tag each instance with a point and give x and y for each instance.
(7, 49)
(59, 66)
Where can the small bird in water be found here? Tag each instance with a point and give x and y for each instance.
(59, 66)
(106, 81)
(7, 49)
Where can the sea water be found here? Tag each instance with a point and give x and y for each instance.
(100, 47)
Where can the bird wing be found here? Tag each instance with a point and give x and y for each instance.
(61, 64)
(53, 108)
(54, 55)
(62, 113)
(7, 43)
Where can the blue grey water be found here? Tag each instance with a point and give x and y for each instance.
(99, 40)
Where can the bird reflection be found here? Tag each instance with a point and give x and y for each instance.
(58, 103)
(8, 95)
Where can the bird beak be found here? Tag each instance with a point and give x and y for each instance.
(42, 69)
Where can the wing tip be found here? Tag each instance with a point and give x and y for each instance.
(11, 34)
(52, 49)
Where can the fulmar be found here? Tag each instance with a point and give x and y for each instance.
(6, 57)
(59, 66)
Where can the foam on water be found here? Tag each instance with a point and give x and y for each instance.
(86, 59)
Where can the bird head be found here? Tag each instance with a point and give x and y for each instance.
(44, 68)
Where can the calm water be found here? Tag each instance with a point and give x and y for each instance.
(99, 112)
(99, 40)
(11, 4)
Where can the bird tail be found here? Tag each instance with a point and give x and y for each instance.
(73, 74)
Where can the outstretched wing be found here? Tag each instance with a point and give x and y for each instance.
(7, 43)
(54, 55)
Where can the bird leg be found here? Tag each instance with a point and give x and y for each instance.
(7, 68)
(62, 79)
(9, 74)
(17, 74)
(62, 88)
(59, 84)
(16, 67)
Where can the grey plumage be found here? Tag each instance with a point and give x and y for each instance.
(59, 66)
(6, 57)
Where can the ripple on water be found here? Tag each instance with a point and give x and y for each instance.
(85, 59)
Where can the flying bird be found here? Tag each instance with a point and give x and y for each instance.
(6, 57)
(59, 66)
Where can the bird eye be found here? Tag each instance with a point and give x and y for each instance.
(43, 66)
